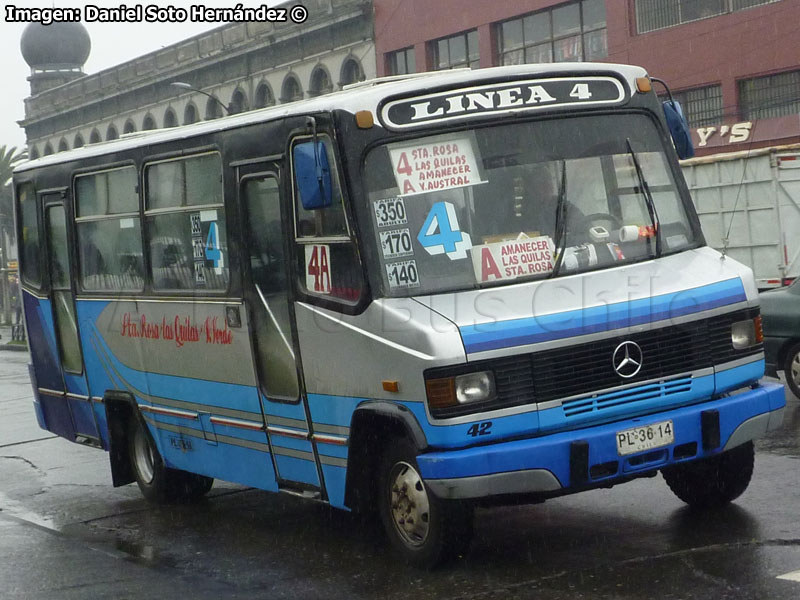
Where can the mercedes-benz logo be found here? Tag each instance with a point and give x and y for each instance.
(627, 359)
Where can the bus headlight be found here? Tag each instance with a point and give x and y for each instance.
(747, 333)
(470, 388)
(475, 387)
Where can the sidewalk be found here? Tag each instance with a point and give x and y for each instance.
(5, 340)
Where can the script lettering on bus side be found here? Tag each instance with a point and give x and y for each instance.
(180, 330)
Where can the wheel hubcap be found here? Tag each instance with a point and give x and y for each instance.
(143, 456)
(796, 369)
(410, 505)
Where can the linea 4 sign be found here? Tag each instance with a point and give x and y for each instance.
(517, 96)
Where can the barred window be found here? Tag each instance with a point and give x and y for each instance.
(574, 31)
(652, 15)
(770, 96)
(457, 51)
(402, 62)
(702, 106)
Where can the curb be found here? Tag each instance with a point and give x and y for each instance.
(14, 347)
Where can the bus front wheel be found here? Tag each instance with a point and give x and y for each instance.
(424, 529)
(158, 483)
(715, 481)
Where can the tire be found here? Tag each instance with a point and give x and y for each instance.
(791, 369)
(423, 529)
(159, 484)
(712, 482)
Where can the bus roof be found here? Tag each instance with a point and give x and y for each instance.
(365, 95)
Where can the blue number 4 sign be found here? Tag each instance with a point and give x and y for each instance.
(440, 233)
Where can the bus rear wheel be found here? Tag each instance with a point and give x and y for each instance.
(158, 483)
(712, 482)
(422, 528)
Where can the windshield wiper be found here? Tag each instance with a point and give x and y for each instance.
(561, 221)
(648, 198)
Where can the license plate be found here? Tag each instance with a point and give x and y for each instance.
(646, 437)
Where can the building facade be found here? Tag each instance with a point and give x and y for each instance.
(236, 67)
(734, 64)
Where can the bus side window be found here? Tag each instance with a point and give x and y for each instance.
(186, 226)
(29, 229)
(328, 260)
(109, 231)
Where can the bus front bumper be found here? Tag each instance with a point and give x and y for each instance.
(574, 460)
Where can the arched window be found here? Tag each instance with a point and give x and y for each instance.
(148, 123)
(95, 138)
(48, 149)
(170, 120)
(291, 90)
(34, 153)
(320, 82)
(130, 127)
(213, 108)
(190, 114)
(351, 72)
(264, 96)
(78, 143)
(238, 102)
(111, 133)
(63, 146)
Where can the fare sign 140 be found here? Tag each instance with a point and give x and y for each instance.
(423, 168)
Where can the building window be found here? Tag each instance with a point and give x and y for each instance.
(770, 96)
(238, 103)
(170, 120)
(291, 90)
(402, 62)
(264, 96)
(320, 82)
(570, 32)
(457, 51)
(702, 106)
(351, 72)
(660, 14)
(190, 114)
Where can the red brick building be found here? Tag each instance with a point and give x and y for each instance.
(734, 64)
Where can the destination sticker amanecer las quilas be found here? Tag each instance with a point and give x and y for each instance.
(513, 258)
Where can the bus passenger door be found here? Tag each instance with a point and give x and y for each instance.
(75, 391)
(273, 336)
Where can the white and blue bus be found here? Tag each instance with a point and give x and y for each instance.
(412, 296)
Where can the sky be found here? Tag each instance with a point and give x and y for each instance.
(112, 44)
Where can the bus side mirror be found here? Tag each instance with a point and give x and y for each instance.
(312, 175)
(678, 129)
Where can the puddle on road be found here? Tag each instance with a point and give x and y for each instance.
(145, 552)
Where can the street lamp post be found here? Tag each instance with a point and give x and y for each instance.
(186, 86)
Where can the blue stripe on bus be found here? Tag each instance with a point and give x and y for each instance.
(571, 323)
(335, 480)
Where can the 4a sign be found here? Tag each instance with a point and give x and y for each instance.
(735, 134)
(489, 100)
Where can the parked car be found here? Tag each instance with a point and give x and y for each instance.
(780, 313)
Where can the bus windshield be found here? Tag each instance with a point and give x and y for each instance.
(500, 204)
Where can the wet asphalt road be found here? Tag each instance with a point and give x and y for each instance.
(66, 533)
